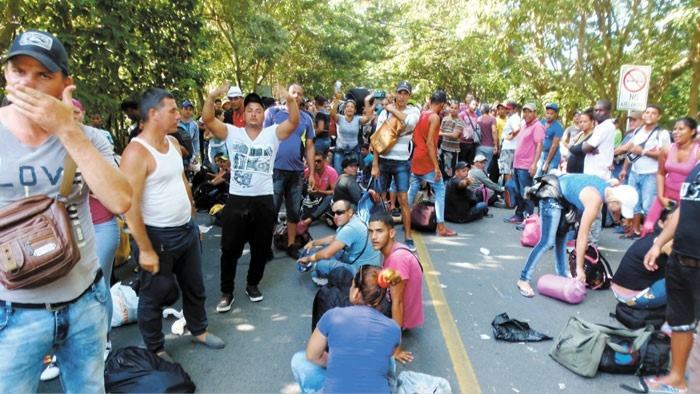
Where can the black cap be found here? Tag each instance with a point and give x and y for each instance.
(43, 47)
(438, 97)
(461, 164)
(403, 85)
(350, 161)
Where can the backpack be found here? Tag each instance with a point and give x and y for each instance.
(596, 266)
(637, 318)
(280, 237)
(206, 196)
(138, 370)
(336, 293)
(185, 140)
(423, 217)
(358, 96)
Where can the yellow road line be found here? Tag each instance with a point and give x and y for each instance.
(466, 378)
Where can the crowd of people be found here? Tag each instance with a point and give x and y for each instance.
(462, 155)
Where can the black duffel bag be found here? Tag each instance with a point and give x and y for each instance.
(138, 370)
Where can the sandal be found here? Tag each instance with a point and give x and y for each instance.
(525, 292)
(446, 232)
(661, 387)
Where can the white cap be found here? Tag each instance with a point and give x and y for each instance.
(627, 197)
(235, 91)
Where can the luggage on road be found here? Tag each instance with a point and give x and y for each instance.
(138, 370)
(564, 289)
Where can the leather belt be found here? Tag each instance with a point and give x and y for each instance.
(52, 306)
(688, 261)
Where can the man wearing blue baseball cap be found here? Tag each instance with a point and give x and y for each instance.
(69, 314)
(553, 131)
(188, 123)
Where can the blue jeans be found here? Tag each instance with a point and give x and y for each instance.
(76, 334)
(288, 184)
(308, 375)
(320, 209)
(487, 151)
(522, 180)
(438, 188)
(322, 145)
(653, 296)
(179, 251)
(550, 213)
(107, 241)
(398, 171)
(645, 184)
(340, 154)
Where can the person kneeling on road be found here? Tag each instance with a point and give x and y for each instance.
(349, 247)
(461, 205)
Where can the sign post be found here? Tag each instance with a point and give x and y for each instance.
(634, 88)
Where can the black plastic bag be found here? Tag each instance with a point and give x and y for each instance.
(137, 370)
(511, 330)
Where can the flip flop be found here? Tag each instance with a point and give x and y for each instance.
(661, 387)
(446, 233)
(526, 293)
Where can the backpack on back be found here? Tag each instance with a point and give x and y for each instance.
(598, 272)
(336, 293)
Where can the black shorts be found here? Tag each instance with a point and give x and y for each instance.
(683, 291)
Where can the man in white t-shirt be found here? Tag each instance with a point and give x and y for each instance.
(643, 163)
(249, 213)
(509, 140)
(600, 146)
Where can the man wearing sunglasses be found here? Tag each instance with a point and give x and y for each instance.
(349, 247)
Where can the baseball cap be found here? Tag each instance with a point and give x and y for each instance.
(553, 106)
(479, 158)
(439, 97)
(403, 85)
(635, 115)
(627, 196)
(43, 47)
(511, 104)
(252, 98)
(350, 161)
(187, 103)
(530, 107)
(234, 91)
(78, 104)
(461, 164)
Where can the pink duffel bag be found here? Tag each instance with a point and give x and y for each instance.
(531, 233)
(565, 289)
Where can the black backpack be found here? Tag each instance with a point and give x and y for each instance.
(637, 318)
(336, 293)
(598, 272)
(185, 140)
(137, 370)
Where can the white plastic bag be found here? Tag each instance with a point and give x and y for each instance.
(125, 305)
(415, 382)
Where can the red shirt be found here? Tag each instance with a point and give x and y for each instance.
(421, 163)
(238, 119)
(328, 178)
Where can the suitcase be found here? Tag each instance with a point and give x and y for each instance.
(564, 289)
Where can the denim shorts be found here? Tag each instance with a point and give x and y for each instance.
(288, 184)
(397, 170)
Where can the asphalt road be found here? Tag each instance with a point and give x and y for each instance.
(463, 291)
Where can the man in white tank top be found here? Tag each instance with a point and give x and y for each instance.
(161, 221)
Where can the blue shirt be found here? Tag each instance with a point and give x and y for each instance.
(572, 184)
(555, 130)
(356, 238)
(290, 154)
(193, 130)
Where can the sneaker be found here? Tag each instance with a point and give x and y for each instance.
(631, 235)
(254, 293)
(515, 219)
(108, 349)
(52, 371)
(293, 252)
(410, 245)
(319, 281)
(396, 212)
(224, 304)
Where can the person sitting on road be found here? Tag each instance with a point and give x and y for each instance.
(480, 177)
(223, 176)
(633, 284)
(350, 349)
(587, 193)
(325, 179)
(407, 295)
(461, 205)
(349, 247)
(347, 187)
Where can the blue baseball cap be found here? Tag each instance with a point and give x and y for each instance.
(552, 106)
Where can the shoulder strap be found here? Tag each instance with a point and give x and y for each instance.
(69, 168)
(414, 255)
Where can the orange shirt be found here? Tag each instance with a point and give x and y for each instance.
(421, 163)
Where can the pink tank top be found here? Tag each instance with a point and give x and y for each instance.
(677, 172)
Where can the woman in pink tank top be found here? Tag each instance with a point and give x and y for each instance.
(675, 163)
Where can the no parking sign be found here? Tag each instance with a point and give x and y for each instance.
(634, 87)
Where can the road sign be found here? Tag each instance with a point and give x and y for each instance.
(634, 87)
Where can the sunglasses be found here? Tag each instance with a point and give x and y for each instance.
(339, 212)
(319, 161)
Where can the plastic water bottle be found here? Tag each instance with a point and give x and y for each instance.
(337, 86)
(301, 267)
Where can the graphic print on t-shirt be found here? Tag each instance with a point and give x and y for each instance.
(247, 159)
(691, 191)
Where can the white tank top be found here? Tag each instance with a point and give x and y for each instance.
(165, 202)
